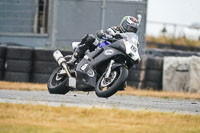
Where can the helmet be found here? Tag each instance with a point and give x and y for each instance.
(129, 24)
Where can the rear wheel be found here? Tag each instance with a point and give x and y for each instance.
(57, 82)
(106, 87)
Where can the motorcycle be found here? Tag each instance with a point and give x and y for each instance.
(104, 70)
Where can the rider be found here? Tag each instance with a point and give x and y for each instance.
(89, 41)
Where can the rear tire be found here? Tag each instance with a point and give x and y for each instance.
(114, 86)
(57, 87)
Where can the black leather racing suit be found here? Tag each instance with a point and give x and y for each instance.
(90, 42)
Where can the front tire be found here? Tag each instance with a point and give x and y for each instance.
(57, 85)
(105, 90)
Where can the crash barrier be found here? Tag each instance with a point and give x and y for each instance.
(181, 74)
(154, 73)
(137, 75)
(2, 61)
(172, 46)
(25, 64)
(151, 74)
(44, 64)
(147, 74)
(18, 64)
(163, 52)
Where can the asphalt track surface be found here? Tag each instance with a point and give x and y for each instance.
(82, 99)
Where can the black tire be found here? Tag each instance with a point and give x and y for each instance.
(2, 51)
(57, 88)
(154, 76)
(2, 64)
(17, 76)
(122, 74)
(1, 75)
(47, 54)
(153, 85)
(155, 63)
(136, 75)
(43, 55)
(19, 53)
(18, 66)
(40, 78)
(44, 67)
(137, 84)
(143, 63)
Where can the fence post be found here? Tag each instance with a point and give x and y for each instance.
(54, 23)
(103, 14)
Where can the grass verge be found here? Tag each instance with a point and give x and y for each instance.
(41, 119)
(160, 94)
(128, 90)
(21, 86)
(170, 40)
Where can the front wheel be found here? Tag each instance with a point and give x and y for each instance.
(106, 87)
(57, 82)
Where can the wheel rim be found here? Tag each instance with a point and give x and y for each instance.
(58, 79)
(107, 82)
(59, 75)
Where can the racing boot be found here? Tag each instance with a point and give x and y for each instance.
(85, 44)
(78, 54)
(73, 59)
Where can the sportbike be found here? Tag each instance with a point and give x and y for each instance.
(104, 70)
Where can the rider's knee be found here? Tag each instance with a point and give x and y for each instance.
(90, 39)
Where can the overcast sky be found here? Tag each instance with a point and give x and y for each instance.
(172, 11)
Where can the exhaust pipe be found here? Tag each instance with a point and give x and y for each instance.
(61, 61)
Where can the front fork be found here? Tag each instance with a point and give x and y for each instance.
(109, 68)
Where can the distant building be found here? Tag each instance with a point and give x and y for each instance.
(57, 23)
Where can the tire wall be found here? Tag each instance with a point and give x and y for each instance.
(154, 73)
(44, 64)
(147, 74)
(18, 64)
(154, 69)
(137, 75)
(26, 64)
(2, 61)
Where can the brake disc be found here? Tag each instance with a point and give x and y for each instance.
(107, 81)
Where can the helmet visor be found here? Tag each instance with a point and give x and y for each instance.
(131, 29)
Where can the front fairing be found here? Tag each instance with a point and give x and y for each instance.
(94, 63)
(89, 68)
(130, 41)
